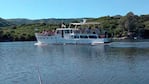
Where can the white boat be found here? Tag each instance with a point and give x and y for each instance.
(73, 35)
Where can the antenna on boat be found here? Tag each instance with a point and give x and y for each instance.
(63, 25)
(84, 20)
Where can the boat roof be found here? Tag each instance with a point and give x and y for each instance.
(66, 29)
(86, 23)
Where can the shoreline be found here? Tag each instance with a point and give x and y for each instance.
(113, 40)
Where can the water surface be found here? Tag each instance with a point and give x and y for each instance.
(114, 63)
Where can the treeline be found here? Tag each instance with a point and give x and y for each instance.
(128, 26)
(24, 32)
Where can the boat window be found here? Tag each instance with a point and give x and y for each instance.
(76, 31)
(76, 36)
(83, 36)
(93, 37)
(70, 31)
(66, 31)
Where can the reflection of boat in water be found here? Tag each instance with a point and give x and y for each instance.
(73, 35)
(73, 50)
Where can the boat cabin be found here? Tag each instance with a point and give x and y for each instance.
(65, 30)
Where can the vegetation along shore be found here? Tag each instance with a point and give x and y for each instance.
(130, 26)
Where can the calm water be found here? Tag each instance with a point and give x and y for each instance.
(114, 63)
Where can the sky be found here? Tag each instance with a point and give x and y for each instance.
(42, 9)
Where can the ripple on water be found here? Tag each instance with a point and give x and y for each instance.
(130, 44)
(114, 63)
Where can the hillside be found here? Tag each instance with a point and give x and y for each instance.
(47, 21)
(118, 26)
(4, 23)
(20, 21)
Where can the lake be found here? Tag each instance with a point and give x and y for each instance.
(113, 63)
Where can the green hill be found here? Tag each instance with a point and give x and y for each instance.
(118, 26)
(4, 23)
(47, 21)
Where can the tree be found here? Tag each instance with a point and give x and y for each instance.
(129, 23)
(1, 34)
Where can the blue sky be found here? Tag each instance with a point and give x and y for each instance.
(39, 9)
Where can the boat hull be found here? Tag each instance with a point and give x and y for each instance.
(60, 40)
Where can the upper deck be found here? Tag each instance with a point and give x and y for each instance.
(74, 29)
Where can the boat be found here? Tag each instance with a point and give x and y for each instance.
(73, 35)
